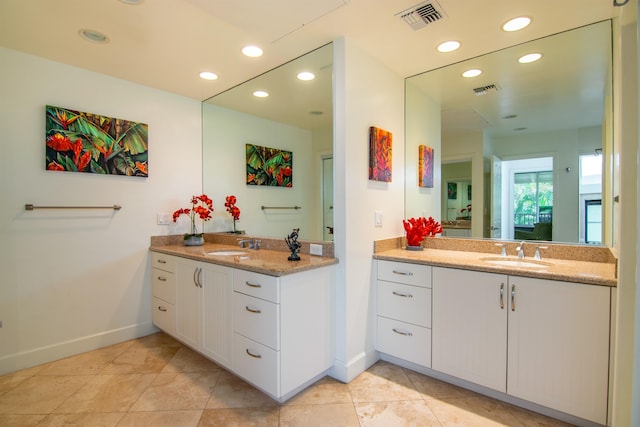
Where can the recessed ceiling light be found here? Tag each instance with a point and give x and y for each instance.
(530, 57)
(316, 113)
(208, 75)
(260, 94)
(252, 51)
(510, 116)
(472, 73)
(448, 46)
(132, 2)
(516, 24)
(306, 75)
(93, 36)
(520, 129)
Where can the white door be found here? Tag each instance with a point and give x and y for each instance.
(559, 345)
(469, 326)
(188, 302)
(327, 198)
(217, 297)
(495, 221)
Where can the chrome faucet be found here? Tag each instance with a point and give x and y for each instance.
(520, 250)
(503, 251)
(250, 243)
(537, 255)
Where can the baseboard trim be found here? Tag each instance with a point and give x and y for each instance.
(27, 359)
(345, 372)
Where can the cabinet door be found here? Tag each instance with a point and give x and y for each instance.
(189, 278)
(469, 326)
(559, 346)
(217, 295)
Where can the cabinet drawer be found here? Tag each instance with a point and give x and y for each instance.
(411, 304)
(256, 284)
(402, 272)
(257, 319)
(163, 285)
(163, 262)
(405, 341)
(256, 363)
(164, 315)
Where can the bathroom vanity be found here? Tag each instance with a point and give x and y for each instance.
(532, 332)
(252, 311)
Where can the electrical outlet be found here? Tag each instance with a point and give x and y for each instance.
(315, 249)
(164, 218)
(378, 219)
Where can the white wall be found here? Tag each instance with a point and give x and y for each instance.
(226, 133)
(367, 94)
(71, 281)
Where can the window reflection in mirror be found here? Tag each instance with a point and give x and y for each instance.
(296, 116)
(555, 107)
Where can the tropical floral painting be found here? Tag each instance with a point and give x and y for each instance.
(425, 166)
(269, 166)
(85, 142)
(379, 154)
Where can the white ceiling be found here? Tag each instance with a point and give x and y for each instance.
(166, 43)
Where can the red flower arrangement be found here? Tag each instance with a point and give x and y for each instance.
(202, 206)
(230, 203)
(419, 228)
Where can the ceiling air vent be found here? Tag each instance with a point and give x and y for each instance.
(483, 90)
(422, 15)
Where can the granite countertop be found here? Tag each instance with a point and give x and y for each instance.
(595, 273)
(265, 261)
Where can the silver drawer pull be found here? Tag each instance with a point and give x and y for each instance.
(252, 310)
(161, 308)
(407, 334)
(161, 261)
(253, 285)
(403, 273)
(162, 279)
(399, 294)
(257, 356)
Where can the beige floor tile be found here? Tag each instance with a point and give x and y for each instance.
(241, 417)
(8, 382)
(472, 411)
(159, 339)
(431, 388)
(107, 393)
(327, 390)
(40, 395)
(88, 363)
(532, 419)
(177, 391)
(383, 382)
(187, 360)
(93, 420)
(161, 419)
(232, 392)
(20, 420)
(405, 413)
(141, 360)
(333, 415)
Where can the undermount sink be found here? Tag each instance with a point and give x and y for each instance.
(227, 252)
(516, 262)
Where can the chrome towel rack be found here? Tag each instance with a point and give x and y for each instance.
(31, 207)
(281, 207)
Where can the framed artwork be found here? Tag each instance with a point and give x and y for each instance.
(425, 166)
(452, 190)
(469, 192)
(269, 166)
(380, 158)
(86, 142)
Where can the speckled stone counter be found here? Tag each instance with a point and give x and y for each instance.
(265, 261)
(575, 263)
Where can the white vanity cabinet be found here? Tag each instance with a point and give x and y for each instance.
(404, 311)
(203, 308)
(163, 292)
(283, 329)
(542, 341)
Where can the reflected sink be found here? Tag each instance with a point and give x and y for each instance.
(227, 252)
(516, 262)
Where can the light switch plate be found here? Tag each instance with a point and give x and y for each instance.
(315, 249)
(164, 218)
(378, 219)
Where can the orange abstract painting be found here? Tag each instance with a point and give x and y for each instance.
(425, 166)
(379, 154)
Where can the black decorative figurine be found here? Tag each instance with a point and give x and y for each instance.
(294, 246)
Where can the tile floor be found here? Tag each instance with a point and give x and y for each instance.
(156, 381)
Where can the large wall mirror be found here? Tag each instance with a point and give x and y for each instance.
(531, 139)
(295, 118)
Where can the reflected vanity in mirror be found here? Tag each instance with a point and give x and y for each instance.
(295, 117)
(529, 138)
